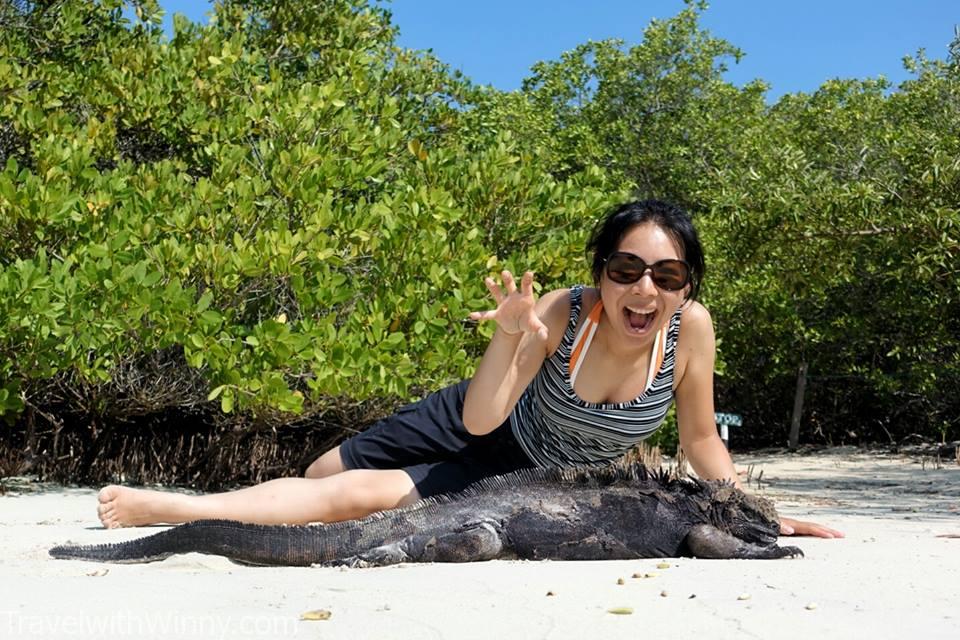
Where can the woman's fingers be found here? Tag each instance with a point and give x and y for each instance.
(510, 285)
(494, 289)
(791, 527)
(534, 325)
(526, 284)
(481, 316)
(508, 281)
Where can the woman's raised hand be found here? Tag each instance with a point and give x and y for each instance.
(516, 310)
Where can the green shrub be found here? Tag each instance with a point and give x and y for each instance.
(270, 200)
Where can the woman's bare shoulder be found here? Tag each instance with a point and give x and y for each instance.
(559, 302)
(553, 308)
(554, 305)
(696, 341)
(695, 317)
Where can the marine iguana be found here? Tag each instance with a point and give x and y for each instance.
(615, 512)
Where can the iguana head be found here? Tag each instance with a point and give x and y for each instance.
(749, 517)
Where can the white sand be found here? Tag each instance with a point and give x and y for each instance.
(891, 577)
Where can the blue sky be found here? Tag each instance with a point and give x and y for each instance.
(793, 46)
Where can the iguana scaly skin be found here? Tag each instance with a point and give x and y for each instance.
(615, 512)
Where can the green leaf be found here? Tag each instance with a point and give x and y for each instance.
(226, 401)
(204, 302)
(211, 318)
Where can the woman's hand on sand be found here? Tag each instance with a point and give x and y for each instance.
(516, 309)
(791, 527)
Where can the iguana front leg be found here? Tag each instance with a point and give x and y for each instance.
(472, 542)
(706, 541)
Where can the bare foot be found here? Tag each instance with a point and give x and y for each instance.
(127, 507)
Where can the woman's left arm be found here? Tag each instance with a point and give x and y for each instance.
(695, 356)
(696, 353)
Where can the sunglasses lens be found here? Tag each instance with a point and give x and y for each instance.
(669, 275)
(624, 269)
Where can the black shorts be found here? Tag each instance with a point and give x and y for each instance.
(427, 439)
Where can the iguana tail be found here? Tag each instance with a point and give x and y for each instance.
(246, 543)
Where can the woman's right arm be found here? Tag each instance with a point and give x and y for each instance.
(527, 331)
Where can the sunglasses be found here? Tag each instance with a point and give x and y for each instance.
(668, 275)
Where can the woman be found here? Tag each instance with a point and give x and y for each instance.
(576, 377)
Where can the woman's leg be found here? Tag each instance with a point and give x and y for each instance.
(426, 430)
(342, 496)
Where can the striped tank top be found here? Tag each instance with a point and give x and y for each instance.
(555, 427)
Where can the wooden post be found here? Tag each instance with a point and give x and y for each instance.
(798, 406)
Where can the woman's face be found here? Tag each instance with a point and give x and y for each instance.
(638, 310)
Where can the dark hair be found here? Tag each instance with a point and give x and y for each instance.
(671, 218)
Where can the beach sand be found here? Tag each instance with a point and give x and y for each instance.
(895, 575)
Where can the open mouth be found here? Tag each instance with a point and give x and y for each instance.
(638, 321)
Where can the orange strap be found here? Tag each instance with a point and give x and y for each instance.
(583, 339)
